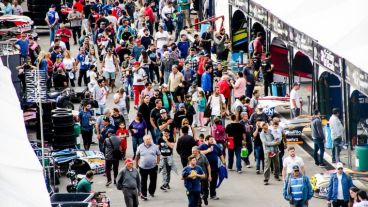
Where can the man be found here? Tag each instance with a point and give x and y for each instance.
(175, 78)
(154, 116)
(267, 70)
(297, 188)
(337, 132)
(165, 122)
(291, 161)
(237, 132)
(257, 43)
(65, 34)
(139, 78)
(99, 94)
(75, 18)
(23, 44)
(52, 19)
(129, 182)
(162, 37)
(192, 175)
(85, 62)
(205, 165)
(213, 154)
(146, 39)
(184, 146)
(111, 144)
(167, 100)
(147, 159)
(338, 187)
(207, 38)
(180, 92)
(166, 145)
(258, 114)
(100, 124)
(318, 138)
(85, 185)
(206, 81)
(295, 100)
(17, 9)
(184, 8)
(218, 106)
(167, 64)
(225, 89)
(179, 115)
(270, 147)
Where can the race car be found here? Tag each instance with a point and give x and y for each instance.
(11, 26)
(320, 181)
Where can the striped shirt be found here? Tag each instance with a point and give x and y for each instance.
(296, 186)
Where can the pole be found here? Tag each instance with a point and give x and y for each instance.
(41, 118)
(346, 113)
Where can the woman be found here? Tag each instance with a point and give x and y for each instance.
(120, 100)
(93, 57)
(110, 68)
(239, 85)
(50, 70)
(138, 129)
(86, 120)
(218, 132)
(69, 66)
(191, 131)
(363, 197)
(353, 196)
(145, 63)
(117, 117)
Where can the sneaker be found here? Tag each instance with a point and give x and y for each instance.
(168, 186)
(322, 165)
(249, 166)
(163, 187)
(239, 172)
(108, 183)
(214, 198)
(144, 197)
(205, 201)
(277, 178)
(152, 195)
(114, 182)
(230, 169)
(265, 182)
(258, 172)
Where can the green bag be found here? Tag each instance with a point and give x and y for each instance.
(244, 152)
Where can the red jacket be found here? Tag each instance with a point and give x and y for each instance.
(224, 87)
(201, 64)
(149, 12)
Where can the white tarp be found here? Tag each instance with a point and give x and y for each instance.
(339, 25)
(21, 177)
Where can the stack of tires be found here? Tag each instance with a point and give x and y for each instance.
(47, 107)
(38, 9)
(63, 124)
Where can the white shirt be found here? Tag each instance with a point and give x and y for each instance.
(162, 38)
(109, 64)
(337, 130)
(68, 63)
(121, 104)
(361, 204)
(113, 20)
(215, 104)
(62, 45)
(340, 194)
(294, 95)
(289, 162)
(140, 74)
(17, 10)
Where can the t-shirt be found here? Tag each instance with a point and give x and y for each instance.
(164, 148)
(289, 162)
(52, 16)
(23, 46)
(162, 38)
(85, 61)
(147, 156)
(17, 10)
(100, 94)
(340, 192)
(170, 127)
(68, 63)
(84, 186)
(236, 130)
(122, 101)
(155, 114)
(212, 156)
(294, 95)
(192, 185)
(140, 74)
(215, 104)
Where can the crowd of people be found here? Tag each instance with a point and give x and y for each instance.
(185, 99)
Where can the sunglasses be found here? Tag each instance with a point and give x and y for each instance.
(340, 168)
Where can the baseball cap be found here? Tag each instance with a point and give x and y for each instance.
(181, 105)
(339, 165)
(162, 111)
(296, 167)
(136, 63)
(128, 161)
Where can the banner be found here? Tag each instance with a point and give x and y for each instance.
(242, 4)
(258, 12)
(356, 78)
(294, 135)
(327, 59)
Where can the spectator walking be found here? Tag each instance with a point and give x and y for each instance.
(192, 175)
(338, 187)
(291, 161)
(318, 138)
(337, 133)
(129, 182)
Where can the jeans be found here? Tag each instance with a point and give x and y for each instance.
(76, 32)
(204, 189)
(152, 173)
(231, 153)
(53, 32)
(258, 152)
(87, 138)
(193, 198)
(249, 146)
(336, 149)
(166, 170)
(112, 164)
(295, 112)
(101, 108)
(136, 141)
(249, 91)
(298, 204)
(82, 74)
(340, 203)
(318, 146)
(155, 133)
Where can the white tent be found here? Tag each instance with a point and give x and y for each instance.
(21, 175)
(339, 25)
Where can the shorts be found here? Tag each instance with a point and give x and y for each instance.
(109, 75)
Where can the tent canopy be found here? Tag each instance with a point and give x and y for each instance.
(21, 176)
(339, 25)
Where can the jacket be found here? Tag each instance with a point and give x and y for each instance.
(337, 130)
(268, 141)
(317, 131)
(307, 189)
(115, 141)
(346, 182)
(206, 82)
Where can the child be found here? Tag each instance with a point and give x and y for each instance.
(201, 108)
(123, 133)
(200, 139)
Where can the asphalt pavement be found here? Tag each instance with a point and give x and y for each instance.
(238, 190)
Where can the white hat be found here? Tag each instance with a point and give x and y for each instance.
(339, 165)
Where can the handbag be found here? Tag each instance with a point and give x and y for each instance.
(230, 143)
(208, 109)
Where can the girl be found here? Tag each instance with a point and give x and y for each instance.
(69, 66)
(353, 196)
(123, 133)
(201, 107)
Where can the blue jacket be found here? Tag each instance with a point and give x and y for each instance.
(307, 189)
(206, 82)
(346, 182)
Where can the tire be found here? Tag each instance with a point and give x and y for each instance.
(62, 119)
(68, 105)
(61, 111)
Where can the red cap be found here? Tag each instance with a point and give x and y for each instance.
(128, 161)
(136, 63)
